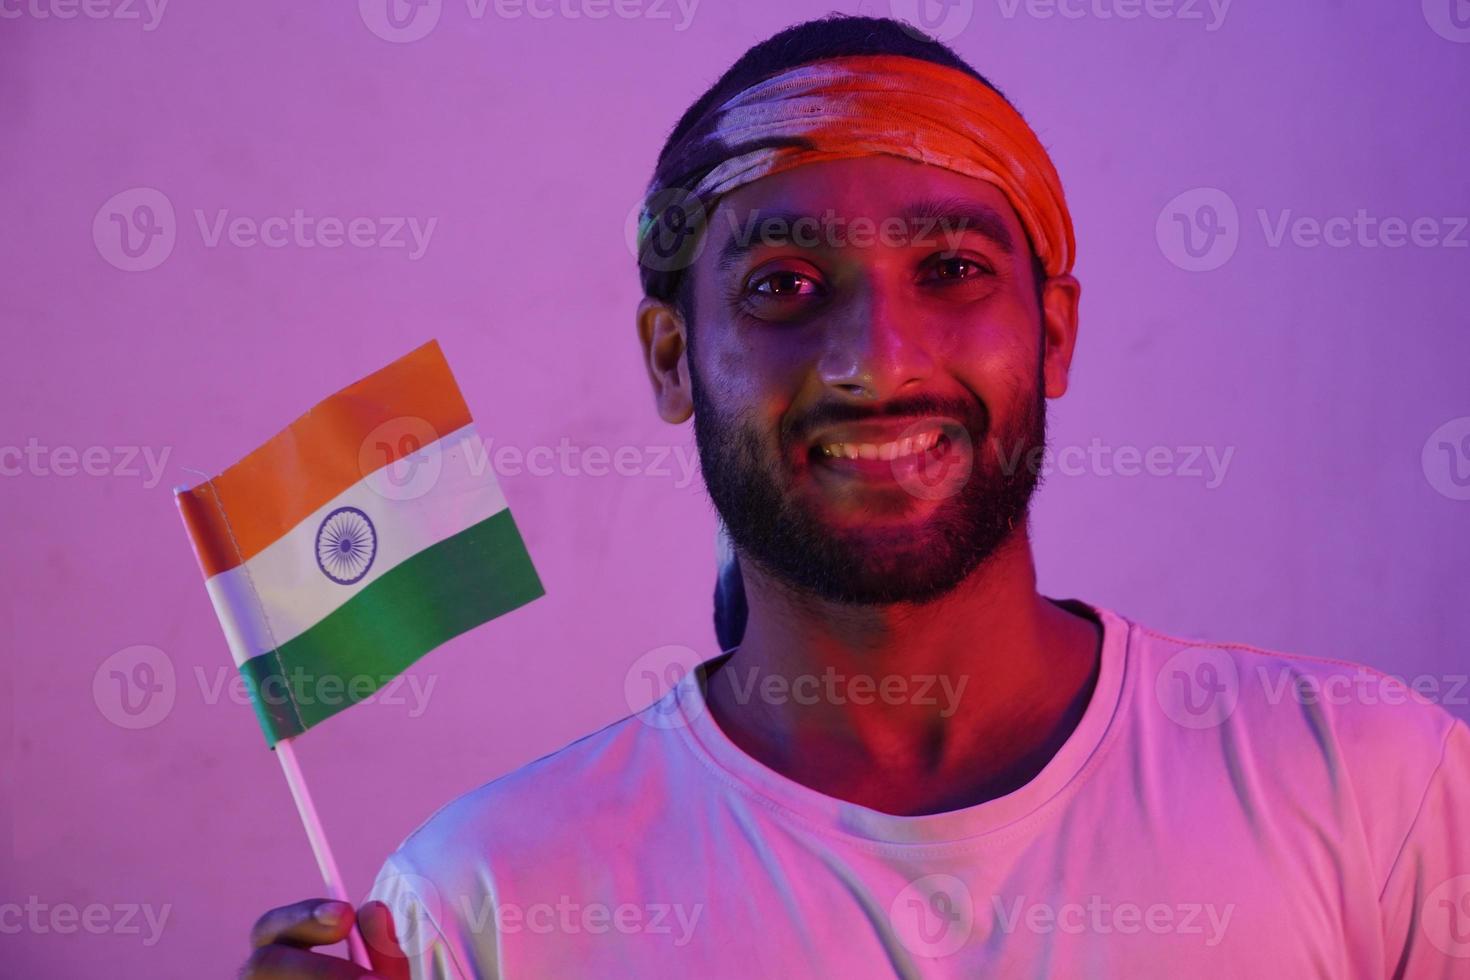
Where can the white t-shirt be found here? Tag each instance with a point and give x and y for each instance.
(1219, 811)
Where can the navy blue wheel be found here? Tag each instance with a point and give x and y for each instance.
(346, 544)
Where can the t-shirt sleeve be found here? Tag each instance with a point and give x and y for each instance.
(1425, 902)
(418, 916)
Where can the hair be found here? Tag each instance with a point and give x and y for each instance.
(833, 36)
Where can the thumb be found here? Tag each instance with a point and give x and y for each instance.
(379, 932)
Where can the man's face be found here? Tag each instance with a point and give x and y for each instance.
(868, 382)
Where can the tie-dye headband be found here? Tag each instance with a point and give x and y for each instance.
(856, 106)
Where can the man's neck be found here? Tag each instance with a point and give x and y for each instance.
(905, 708)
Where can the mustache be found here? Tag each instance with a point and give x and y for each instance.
(973, 415)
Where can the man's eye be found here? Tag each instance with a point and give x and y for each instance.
(955, 269)
(785, 284)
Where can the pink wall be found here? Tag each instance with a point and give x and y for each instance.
(1324, 371)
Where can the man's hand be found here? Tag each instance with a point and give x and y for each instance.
(283, 939)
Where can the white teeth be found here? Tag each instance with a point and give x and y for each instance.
(921, 443)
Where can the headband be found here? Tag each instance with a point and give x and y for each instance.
(855, 106)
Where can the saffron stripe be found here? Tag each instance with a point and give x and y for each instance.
(282, 592)
(439, 593)
(319, 456)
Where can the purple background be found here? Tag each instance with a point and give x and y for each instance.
(1324, 369)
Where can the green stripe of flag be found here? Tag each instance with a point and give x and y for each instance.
(439, 593)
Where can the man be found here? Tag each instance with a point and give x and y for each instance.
(856, 259)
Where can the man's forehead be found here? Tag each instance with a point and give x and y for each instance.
(872, 186)
(873, 189)
(808, 203)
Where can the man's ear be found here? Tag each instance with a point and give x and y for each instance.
(665, 354)
(1059, 298)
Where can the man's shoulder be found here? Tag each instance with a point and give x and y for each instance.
(1385, 733)
(575, 798)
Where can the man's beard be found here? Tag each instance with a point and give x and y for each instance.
(771, 526)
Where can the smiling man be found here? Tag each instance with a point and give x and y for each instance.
(856, 259)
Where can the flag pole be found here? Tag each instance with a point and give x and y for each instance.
(325, 861)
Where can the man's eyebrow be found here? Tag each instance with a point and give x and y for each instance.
(753, 232)
(955, 213)
(944, 214)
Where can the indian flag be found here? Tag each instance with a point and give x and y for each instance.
(356, 540)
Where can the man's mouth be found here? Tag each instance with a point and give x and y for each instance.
(885, 449)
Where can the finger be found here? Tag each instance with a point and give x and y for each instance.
(290, 963)
(314, 922)
(375, 922)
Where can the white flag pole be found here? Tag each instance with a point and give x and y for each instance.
(325, 861)
(331, 876)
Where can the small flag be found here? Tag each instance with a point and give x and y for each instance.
(363, 535)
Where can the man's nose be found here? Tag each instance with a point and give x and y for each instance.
(876, 348)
